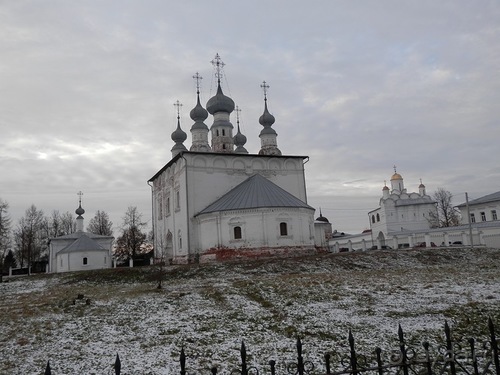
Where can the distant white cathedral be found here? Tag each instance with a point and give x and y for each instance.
(217, 200)
(400, 210)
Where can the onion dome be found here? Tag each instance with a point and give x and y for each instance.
(396, 176)
(79, 211)
(239, 141)
(385, 188)
(421, 186)
(220, 103)
(179, 135)
(198, 113)
(322, 218)
(267, 119)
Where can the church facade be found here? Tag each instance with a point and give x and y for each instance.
(80, 251)
(217, 200)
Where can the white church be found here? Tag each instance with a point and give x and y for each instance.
(80, 251)
(217, 200)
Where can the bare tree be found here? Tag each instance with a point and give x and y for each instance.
(100, 224)
(60, 225)
(30, 237)
(5, 239)
(446, 215)
(132, 239)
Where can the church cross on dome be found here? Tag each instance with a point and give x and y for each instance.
(394, 166)
(198, 78)
(218, 65)
(178, 105)
(79, 197)
(265, 87)
(237, 110)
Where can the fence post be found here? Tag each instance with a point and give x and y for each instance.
(379, 361)
(494, 345)
(182, 360)
(402, 350)
(243, 353)
(272, 364)
(118, 365)
(354, 362)
(473, 354)
(47, 369)
(300, 360)
(428, 361)
(449, 348)
(327, 363)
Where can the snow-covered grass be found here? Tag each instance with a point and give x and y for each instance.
(210, 309)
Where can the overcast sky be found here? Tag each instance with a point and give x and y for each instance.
(87, 91)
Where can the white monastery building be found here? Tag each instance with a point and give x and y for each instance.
(217, 200)
(400, 210)
(80, 250)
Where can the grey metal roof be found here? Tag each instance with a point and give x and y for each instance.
(414, 201)
(494, 197)
(83, 243)
(255, 192)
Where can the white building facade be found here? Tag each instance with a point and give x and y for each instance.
(217, 200)
(80, 251)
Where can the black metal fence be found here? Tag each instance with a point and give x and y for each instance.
(474, 358)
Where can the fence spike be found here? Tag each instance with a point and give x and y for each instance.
(272, 364)
(118, 365)
(449, 348)
(327, 363)
(47, 369)
(299, 346)
(182, 361)
(400, 334)
(243, 352)
(354, 361)
(213, 370)
(494, 345)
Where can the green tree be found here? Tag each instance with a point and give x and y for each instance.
(446, 215)
(132, 238)
(100, 224)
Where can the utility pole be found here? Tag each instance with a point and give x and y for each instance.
(470, 224)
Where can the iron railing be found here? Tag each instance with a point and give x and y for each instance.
(452, 358)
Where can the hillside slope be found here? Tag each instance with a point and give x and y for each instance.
(209, 309)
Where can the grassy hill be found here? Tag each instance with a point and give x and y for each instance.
(209, 309)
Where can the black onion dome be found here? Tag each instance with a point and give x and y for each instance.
(239, 139)
(179, 135)
(79, 211)
(322, 218)
(266, 119)
(220, 103)
(198, 113)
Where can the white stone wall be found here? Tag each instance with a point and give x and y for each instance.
(260, 228)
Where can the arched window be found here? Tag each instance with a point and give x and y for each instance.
(217, 133)
(177, 200)
(283, 229)
(373, 219)
(168, 206)
(237, 233)
(378, 217)
(85, 261)
(223, 132)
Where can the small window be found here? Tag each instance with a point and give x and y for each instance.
(61, 262)
(217, 133)
(373, 219)
(223, 132)
(237, 233)
(160, 208)
(494, 215)
(378, 218)
(283, 229)
(472, 218)
(85, 261)
(168, 206)
(483, 216)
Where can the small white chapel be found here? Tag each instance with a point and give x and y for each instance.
(217, 200)
(80, 250)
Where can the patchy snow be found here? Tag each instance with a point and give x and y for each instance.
(210, 309)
